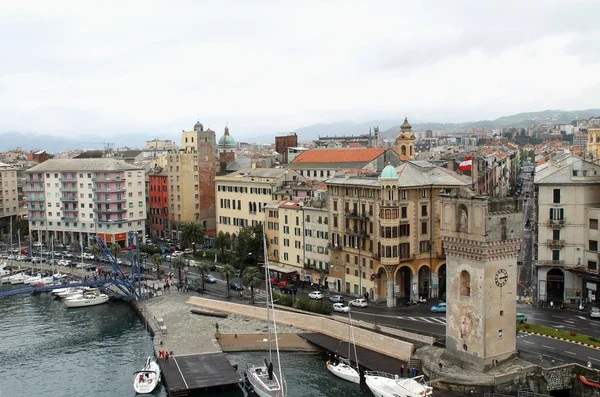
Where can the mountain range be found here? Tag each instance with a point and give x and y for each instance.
(387, 127)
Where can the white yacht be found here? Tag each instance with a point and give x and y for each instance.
(146, 380)
(387, 385)
(87, 299)
(341, 367)
(18, 278)
(33, 279)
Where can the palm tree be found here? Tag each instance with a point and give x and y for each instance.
(222, 242)
(156, 259)
(76, 246)
(179, 264)
(115, 248)
(202, 268)
(251, 278)
(192, 233)
(95, 250)
(228, 272)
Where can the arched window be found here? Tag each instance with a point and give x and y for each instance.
(465, 283)
(403, 150)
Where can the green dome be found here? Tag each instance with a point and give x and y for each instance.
(227, 140)
(389, 172)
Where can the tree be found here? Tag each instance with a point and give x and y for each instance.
(115, 248)
(203, 268)
(179, 264)
(250, 243)
(251, 278)
(192, 233)
(21, 228)
(156, 259)
(95, 251)
(223, 242)
(228, 272)
(76, 246)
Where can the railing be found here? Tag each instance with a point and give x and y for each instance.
(110, 210)
(556, 223)
(116, 200)
(390, 203)
(68, 189)
(36, 218)
(72, 198)
(33, 188)
(335, 247)
(107, 221)
(69, 209)
(108, 190)
(69, 218)
(407, 258)
(69, 179)
(551, 263)
(34, 199)
(102, 179)
(556, 243)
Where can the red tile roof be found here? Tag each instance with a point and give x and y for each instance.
(339, 155)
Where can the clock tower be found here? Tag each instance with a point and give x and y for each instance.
(481, 237)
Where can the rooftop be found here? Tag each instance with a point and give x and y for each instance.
(92, 164)
(347, 155)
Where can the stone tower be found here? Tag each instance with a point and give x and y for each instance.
(406, 142)
(481, 237)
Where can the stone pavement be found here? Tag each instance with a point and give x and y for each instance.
(189, 333)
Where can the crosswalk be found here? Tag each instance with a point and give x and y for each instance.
(430, 320)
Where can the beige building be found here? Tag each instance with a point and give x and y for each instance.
(73, 200)
(387, 227)
(567, 215)
(241, 197)
(317, 260)
(593, 143)
(10, 205)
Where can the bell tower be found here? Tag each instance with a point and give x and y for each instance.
(405, 141)
(481, 237)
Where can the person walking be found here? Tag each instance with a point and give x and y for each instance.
(402, 371)
(167, 356)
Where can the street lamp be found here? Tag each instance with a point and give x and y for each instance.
(240, 266)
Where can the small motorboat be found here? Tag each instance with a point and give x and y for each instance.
(146, 380)
(86, 299)
(388, 385)
(18, 278)
(343, 370)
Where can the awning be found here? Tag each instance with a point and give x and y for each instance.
(278, 267)
(331, 279)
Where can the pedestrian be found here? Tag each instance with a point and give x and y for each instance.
(402, 371)
(167, 357)
(414, 371)
(161, 354)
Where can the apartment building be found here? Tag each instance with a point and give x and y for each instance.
(75, 199)
(317, 260)
(384, 230)
(158, 202)
(593, 143)
(284, 232)
(241, 197)
(9, 196)
(190, 174)
(567, 214)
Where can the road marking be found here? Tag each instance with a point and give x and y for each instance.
(441, 321)
(412, 318)
(557, 316)
(595, 359)
(581, 317)
(426, 320)
(570, 322)
(548, 347)
(526, 341)
(568, 352)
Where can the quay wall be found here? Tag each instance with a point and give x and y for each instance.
(369, 340)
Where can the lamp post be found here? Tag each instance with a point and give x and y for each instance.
(240, 266)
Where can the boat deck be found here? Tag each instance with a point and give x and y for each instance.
(187, 373)
(366, 358)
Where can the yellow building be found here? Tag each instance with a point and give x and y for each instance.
(285, 234)
(593, 146)
(242, 196)
(388, 227)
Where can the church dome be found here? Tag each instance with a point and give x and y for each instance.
(389, 172)
(227, 140)
(198, 127)
(405, 131)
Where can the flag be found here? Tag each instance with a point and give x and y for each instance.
(466, 164)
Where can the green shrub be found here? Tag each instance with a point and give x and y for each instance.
(282, 299)
(303, 304)
(594, 339)
(321, 307)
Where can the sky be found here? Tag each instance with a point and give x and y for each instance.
(108, 68)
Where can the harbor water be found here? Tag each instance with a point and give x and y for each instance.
(47, 350)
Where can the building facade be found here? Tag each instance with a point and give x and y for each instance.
(10, 200)
(316, 240)
(74, 200)
(158, 202)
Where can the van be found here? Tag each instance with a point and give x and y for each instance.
(521, 318)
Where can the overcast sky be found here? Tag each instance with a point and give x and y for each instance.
(268, 66)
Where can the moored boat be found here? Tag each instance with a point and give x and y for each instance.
(146, 380)
(18, 278)
(383, 384)
(86, 299)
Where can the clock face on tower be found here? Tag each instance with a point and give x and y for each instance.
(501, 277)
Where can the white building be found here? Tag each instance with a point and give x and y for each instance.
(75, 199)
(316, 239)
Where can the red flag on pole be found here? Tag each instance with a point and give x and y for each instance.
(466, 164)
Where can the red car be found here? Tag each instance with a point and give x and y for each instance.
(282, 284)
(127, 247)
(273, 281)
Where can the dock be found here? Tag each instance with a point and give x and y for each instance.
(191, 373)
(368, 359)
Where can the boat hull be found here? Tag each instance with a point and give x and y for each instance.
(387, 385)
(85, 302)
(256, 376)
(345, 372)
(146, 380)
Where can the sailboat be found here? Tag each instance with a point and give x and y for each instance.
(262, 378)
(341, 367)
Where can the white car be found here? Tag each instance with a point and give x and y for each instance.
(362, 302)
(339, 307)
(63, 262)
(315, 295)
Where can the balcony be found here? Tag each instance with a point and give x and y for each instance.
(69, 218)
(334, 247)
(390, 203)
(36, 218)
(109, 221)
(33, 188)
(551, 263)
(110, 210)
(34, 199)
(110, 200)
(355, 215)
(67, 179)
(108, 190)
(407, 258)
(388, 222)
(389, 241)
(104, 180)
(72, 198)
(556, 243)
(68, 189)
(389, 261)
(556, 223)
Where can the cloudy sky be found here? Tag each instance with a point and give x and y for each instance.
(115, 67)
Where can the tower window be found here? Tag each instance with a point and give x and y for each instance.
(465, 283)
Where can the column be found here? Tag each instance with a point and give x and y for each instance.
(391, 300)
(434, 285)
(414, 287)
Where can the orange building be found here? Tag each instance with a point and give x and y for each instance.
(158, 193)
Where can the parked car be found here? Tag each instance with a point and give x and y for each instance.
(236, 286)
(439, 308)
(209, 278)
(340, 307)
(273, 281)
(315, 295)
(595, 312)
(336, 299)
(288, 289)
(521, 318)
(188, 251)
(282, 284)
(361, 302)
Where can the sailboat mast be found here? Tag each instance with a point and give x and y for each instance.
(269, 294)
(351, 329)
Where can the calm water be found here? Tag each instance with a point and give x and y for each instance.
(47, 350)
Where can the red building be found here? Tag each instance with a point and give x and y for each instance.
(159, 203)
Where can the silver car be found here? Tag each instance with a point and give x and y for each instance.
(595, 312)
